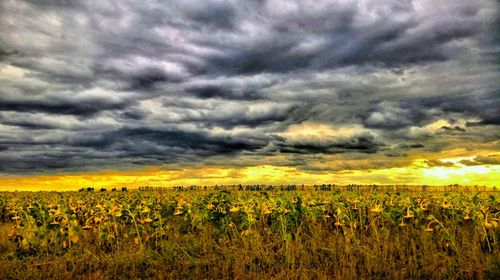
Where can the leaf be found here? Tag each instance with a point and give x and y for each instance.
(25, 245)
(74, 238)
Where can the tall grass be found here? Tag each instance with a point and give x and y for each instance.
(245, 235)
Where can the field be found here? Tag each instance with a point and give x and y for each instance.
(294, 233)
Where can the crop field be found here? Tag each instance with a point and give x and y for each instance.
(236, 233)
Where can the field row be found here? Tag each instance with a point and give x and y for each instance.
(449, 225)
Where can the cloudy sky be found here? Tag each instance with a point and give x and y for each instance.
(165, 92)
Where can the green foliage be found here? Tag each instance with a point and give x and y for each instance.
(293, 225)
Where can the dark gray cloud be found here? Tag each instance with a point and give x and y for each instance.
(64, 107)
(87, 84)
(480, 160)
(436, 162)
(358, 143)
(209, 91)
(412, 146)
(454, 128)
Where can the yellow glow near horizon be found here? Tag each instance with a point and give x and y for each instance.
(417, 173)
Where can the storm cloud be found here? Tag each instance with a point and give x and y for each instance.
(97, 84)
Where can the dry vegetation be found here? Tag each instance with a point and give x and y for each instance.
(243, 234)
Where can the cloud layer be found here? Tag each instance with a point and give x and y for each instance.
(97, 84)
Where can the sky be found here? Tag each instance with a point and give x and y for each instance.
(101, 93)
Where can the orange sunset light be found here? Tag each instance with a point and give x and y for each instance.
(417, 173)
